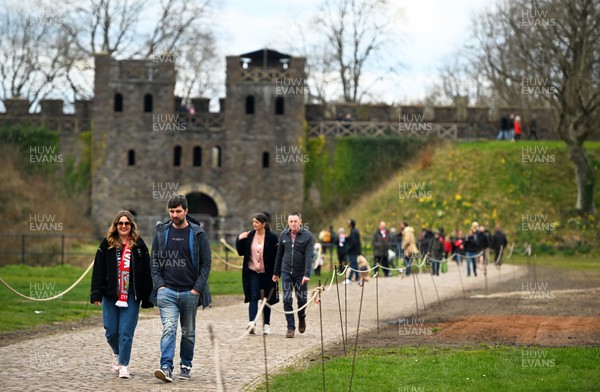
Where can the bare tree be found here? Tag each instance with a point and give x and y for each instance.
(549, 50)
(355, 33)
(44, 51)
(33, 55)
(174, 30)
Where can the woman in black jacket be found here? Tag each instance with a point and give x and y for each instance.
(259, 248)
(121, 281)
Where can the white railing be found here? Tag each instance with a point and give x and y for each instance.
(374, 128)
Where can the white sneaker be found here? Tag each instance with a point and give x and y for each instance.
(124, 372)
(115, 363)
(266, 329)
(347, 281)
(250, 327)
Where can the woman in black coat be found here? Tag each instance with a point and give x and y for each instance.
(121, 281)
(259, 248)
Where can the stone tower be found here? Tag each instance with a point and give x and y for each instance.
(246, 158)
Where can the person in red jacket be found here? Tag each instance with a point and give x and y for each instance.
(517, 128)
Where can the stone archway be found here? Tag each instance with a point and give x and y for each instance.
(210, 194)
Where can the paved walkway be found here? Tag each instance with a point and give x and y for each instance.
(80, 361)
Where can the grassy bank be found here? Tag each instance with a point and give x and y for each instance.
(489, 182)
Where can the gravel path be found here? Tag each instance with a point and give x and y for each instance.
(80, 360)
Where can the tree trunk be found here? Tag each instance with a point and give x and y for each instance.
(584, 175)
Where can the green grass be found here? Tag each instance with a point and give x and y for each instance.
(19, 313)
(43, 282)
(225, 282)
(429, 368)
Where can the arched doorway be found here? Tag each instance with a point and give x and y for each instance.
(201, 204)
(203, 208)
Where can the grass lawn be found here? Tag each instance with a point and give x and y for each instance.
(429, 368)
(43, 282)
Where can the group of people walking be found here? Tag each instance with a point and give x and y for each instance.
(511, 127)
(174, 277)
(403, 245)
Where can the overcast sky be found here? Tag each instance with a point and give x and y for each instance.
(429, 31)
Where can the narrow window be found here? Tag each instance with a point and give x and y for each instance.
(197, 156)
(177, 156)
(118, 102)
(279, 106)
(131, 157)
(249, 104)
(216, 157)
(265, 160)
(148, 103)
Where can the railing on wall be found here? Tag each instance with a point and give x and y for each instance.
(375, 128)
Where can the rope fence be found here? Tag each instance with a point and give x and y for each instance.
(319, 294)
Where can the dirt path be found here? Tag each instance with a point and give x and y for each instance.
(558, 309)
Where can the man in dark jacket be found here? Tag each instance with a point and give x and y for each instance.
(181, 261)
(498, 244)
(380, 248)
(293, 264)
(435, 251)
(353, 249)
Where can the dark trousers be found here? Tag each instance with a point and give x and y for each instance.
(292, 284)
(382, 261)
(257, 282)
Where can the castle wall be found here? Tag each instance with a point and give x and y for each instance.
(239, 187)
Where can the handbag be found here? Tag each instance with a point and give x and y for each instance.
(444, 266)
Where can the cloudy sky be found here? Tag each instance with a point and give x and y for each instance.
(428, 30)
(427, 33)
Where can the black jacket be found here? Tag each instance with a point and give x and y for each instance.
(353, 246)
(380, 244)
(498, 240)
(471, 243)
(269, 255)
(105, 275)
(296, 258)
(201, 259)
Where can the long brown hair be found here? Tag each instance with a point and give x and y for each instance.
(112, 235)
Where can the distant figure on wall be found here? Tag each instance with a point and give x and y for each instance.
(517, 125)
(533, 128)
(503, 134)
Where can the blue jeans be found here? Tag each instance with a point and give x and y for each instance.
(435, 267)
(407, 262)
(471, 259)
(353, 259)
(256, 284)
(177, 306)
(289, 284)
(458, 258)
(502, 135)
(119, 324)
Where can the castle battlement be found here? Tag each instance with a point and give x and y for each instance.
(51, 115)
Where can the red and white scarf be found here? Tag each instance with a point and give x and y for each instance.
(124, 263)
